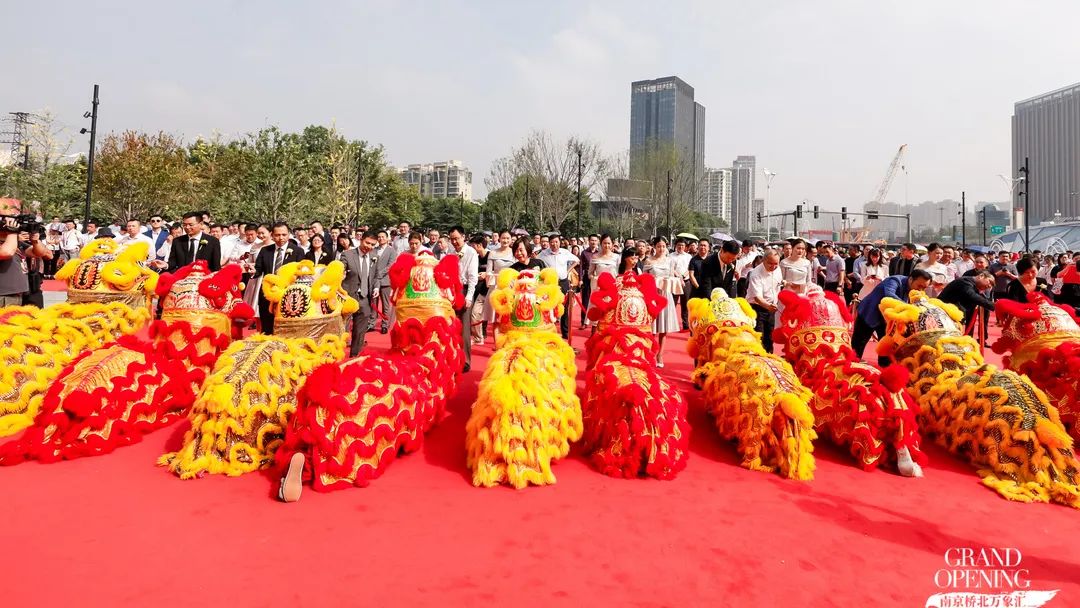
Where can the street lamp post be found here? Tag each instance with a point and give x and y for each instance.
(1027, 203)
(769, 175)
(579, 189)
(963, 220)
(90, 159)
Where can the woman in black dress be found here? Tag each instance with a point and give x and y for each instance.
(317, 253)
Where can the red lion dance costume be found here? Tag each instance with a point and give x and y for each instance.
(856, 404)
(353, 418)
(110, 397)
(1045, 342)
(635, 422)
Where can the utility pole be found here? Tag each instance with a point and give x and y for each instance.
(90, 159)
(909, 235)
(579, 189)
(983, 212)
(1026, 170)
(359, 181)
(26, 157)
(668, 204)
(963, 220)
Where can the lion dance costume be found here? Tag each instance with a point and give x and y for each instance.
(635, 422)
(241, 412)
(856, 404)
(755, 396)
(107, 298)
(527, 412)
(997, 419)
(1044, 339)
(355, 416)
(112, 396)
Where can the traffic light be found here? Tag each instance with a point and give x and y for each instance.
(871, 214)
(798, 211)
(843, 213)
(759, 217)
(816, 211)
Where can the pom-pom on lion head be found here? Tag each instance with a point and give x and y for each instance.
(106, 273)
(309, 301)
(424, 287)
(628, 300)
(923, 315)
(529, 300)
(197, 296)
(1038, 318)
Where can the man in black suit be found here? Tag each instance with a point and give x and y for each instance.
(270, 259)
(361, 282)
(718, 270)
(195, 245)
(966, 294)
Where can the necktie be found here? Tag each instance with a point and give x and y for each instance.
(191, 248)
(279, 257)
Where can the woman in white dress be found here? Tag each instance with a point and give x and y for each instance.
(606, 261)
(873, 272)
(497, 261)
(662, 267)
(254, 286)
(795, 269)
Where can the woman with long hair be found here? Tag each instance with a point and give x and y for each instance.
(344, 243)
(316, 252)
(662, 267)
(874, 271)
(497, 261)
(628, 261)
(796, 269)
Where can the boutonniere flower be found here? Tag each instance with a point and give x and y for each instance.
(288, 251)
(202, 242)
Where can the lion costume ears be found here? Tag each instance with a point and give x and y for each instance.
(135, 252)
(898, 312)
(747, 309)
(788, 298)
(506, 277)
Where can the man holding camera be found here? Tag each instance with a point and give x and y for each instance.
(14, 283)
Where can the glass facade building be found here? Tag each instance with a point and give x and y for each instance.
(1046, 130)
(1053, 238)
(663, 115)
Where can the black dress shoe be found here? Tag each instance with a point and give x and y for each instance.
(382, 331)
(466, 369)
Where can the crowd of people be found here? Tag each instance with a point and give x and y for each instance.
(861, 274)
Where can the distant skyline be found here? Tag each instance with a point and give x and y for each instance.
(820, 92)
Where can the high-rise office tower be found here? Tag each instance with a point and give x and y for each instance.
(446, 179)
(664, 117)
(1046, 130)
(718, 194)
(743, 171)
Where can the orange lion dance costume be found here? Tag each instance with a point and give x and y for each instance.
(354, 417)
(110, 397)
(755, 396)
(526, 413)
(107, 298)
(241, 412)
(856, 404)
(635, 422)
(1044, 339)
(997, 419)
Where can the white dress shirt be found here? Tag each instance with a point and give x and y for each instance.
(682, 265)
(560, 261)
(126, 239)
(763, 285)
(469, 269)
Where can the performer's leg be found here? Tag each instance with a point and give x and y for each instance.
(465, 316)
(359, 327)
(388, 308)
(266, 317)
(860, 336)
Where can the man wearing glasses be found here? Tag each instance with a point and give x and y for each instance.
(401, 241)
(194, 245)
(158, 233)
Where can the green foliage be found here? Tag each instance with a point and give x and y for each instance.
(58, 190)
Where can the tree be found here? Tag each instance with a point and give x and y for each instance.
(676, 185)
(137, 174)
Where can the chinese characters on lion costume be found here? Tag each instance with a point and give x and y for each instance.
(526, 413)
(858, 405)
(635, 422)
(354, 417)
(112, 396)
(241, 412)
(107, 298)
(755, 396)
(1044, 339)
(997, 419)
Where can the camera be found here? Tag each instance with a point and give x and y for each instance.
(26, 222)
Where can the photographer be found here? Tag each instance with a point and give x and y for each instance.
(14, 282)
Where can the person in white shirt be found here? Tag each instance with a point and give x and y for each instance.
(562, 261)
(763, 294)
(469, 269)
(401, 241)
(303, 239)
(91, 233)
(133, 234)
(937, 270)
(70, 240)
(743, 264)
(239, 251)
(965, 263)
(680, 290)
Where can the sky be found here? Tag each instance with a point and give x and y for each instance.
(822, 92)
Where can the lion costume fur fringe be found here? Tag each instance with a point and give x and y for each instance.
(754, 396)
(526, 412)
(997, 419)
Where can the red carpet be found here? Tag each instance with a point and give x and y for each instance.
(118, 531)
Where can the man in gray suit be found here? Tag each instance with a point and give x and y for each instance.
(387, 255)
(361, 282)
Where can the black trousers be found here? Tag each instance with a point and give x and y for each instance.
(564, 322)
(586, 292)
(764, 326)
(860, 337)
(266, 317)
(360, 320)
(741, 286)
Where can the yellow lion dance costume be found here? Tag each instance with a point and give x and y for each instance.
(755, 396)
(995, 418)
(527, 412)
(241, 412)
(107, 298)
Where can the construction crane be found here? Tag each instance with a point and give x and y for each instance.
(883, 190)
